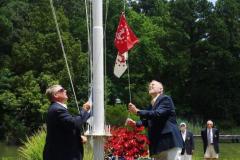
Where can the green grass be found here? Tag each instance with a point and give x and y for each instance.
(228, 151)
(88, 150)
(8, 152)
(32, 149)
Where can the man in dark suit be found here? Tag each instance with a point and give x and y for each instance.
(160, 119)
(63, 140)
(210, 137)
(188, 142)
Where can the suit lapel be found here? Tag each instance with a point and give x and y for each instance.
(55, 103)
(205, 134)
(187, 136)
(213, 132)
(156, 102)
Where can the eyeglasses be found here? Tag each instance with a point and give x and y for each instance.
(209, 124)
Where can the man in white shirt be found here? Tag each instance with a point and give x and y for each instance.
(160, 119)
(210, 137)
(188, 142)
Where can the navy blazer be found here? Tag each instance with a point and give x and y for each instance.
(215, 139)
(63, 140)
(188, 144)
(160, 119)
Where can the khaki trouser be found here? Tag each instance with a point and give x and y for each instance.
(186, 157)
(210, 153)
(171, 154)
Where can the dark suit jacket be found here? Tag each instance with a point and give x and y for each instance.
(160, 119)
(215, 139)
(188, 144)
(63, 141)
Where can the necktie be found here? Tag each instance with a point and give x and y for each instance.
(209, 136)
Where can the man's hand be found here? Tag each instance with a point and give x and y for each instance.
(84, 139)
(132, 108)
(130, 122)
(86, 106)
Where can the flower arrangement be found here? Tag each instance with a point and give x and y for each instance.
(127, 143)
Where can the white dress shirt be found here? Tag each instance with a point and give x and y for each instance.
(154, 100)
(184, 134)
(62, 104)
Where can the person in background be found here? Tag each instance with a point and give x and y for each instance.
(160, 119)
(188, 142)
(63, 140)
(210, 138)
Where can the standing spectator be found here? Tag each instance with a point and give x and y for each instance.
(64, 140)
(160, 119)
(210, 137)
(188, 142)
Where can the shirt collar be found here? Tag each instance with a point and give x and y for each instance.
(154, 99)
(184, 132)
(62, 104)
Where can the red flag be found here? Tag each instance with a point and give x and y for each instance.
(125, 39)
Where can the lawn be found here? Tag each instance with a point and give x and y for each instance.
(228, 151)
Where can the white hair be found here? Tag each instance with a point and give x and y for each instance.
(160, 86)
(52, 90)
(210, 121)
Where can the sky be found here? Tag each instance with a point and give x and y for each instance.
(213, 1)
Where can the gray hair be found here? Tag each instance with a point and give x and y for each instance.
(210, 121)
(160, 86)
(52, 90)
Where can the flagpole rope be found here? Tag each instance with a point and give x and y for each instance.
(88, 18)
(63, 50)
(129, 83)
(129, 80)
(129, 87)
(105, 54)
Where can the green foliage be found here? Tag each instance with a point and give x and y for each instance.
(22, 99)
(32, 148)
(117, 114)
(194, 127)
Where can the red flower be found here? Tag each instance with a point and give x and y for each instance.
(129, 143)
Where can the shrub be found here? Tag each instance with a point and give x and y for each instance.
(32, 148)
(194, 127)
(116, 115)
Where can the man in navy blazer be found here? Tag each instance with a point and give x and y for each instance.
(210, 137)
(160, 119)
(63, 140)
(188, 142)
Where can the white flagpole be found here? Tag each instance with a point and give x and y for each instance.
(98, 81)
